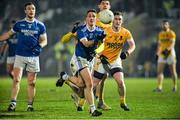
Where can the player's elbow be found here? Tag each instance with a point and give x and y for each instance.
(45, 43)
(133, 47)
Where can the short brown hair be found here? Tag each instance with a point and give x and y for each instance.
(118, 13)
(165, 21)
(91, 10)
(103, 0)
(26, 4)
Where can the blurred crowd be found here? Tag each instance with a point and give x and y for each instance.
(59, 15)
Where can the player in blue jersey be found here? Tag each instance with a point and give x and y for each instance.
(88, 37)
(31, 35)
(12, 42)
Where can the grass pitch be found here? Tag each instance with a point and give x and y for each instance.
(56, 103)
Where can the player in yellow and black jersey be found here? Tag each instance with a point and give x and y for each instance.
(111, 57)
(166, 55)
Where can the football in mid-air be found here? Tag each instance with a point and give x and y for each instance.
(106, 16)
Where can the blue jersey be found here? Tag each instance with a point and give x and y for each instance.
(12, 42)
(28, 34)
(83, 32)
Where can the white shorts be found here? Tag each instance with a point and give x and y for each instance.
(169, 60)
(78, 63)
(99, 67)
(30, 63)
(10, 60)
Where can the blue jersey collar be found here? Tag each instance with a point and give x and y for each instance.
(29, 20)
(94, 27)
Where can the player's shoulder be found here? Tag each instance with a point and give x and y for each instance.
(172, 32)
(20, 21)
(99, 28)
(161, 32)
(125, 30)
(82, 28)
(39, 22)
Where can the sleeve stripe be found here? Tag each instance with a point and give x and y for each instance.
(13, 30)
(43, 35)
(84, 38)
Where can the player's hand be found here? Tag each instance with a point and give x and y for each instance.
(104, 59)
(91, 55)
(75, 26)
(124, 55)
(166, 53)
(37, 49)
(156, 57)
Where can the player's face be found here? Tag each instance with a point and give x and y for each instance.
(118, 20)
(91, 18)
(165, 25)
(30, 11)
(104, 5)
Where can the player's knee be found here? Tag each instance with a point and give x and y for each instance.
(81, 84)
(121, 82)
(89, 85)
(160, 73)
(32, 84)
(16, 82)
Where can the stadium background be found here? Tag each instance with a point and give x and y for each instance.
(142, 17)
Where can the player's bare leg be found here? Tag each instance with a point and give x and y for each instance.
(88, 91)
(100, 95)
(10, 70)
(31, 76)
(78, 91)
(119, 77)
(172, 68)
(15, 88)
(160, 69)
(74, 82)
(77, 85)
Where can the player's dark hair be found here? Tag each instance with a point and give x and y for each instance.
(26, 4)
(165, 21)
(13, 21)
(103, 0)
(91, 10)
(118, 13)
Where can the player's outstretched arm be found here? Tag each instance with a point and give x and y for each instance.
(67, 37)
(6, 35)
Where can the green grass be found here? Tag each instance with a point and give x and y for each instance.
(56, 103)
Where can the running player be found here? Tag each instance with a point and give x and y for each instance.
(99, 91)
(88, 37)
(111, 57)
